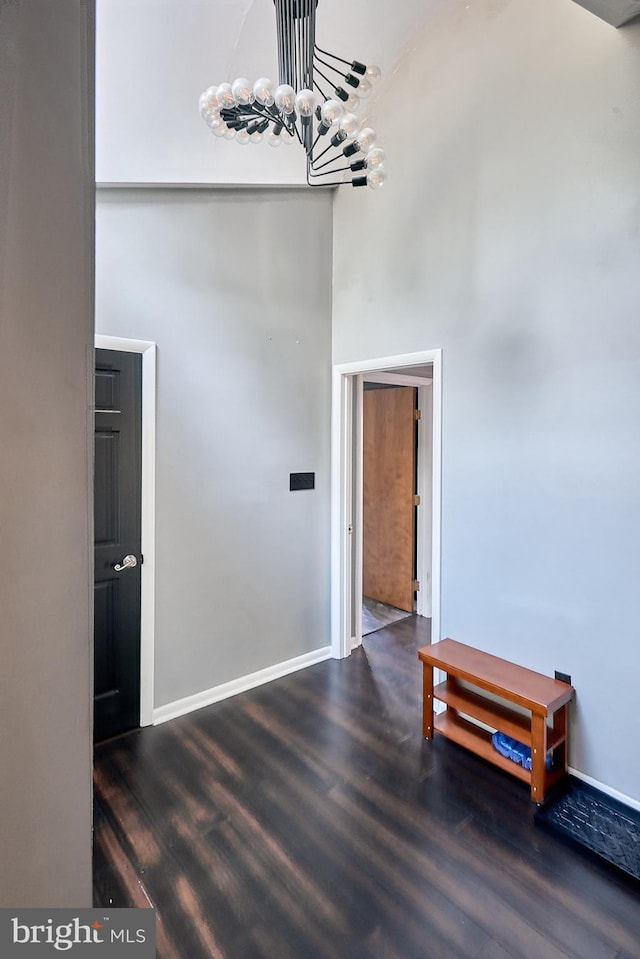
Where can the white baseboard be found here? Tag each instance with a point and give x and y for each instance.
(217, 693)
(608, 790)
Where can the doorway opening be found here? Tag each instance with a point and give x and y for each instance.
(422, 374)
(390, 502)
(147, 514)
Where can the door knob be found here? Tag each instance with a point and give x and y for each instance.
(127, 563)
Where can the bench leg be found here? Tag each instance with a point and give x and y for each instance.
(561, 757)
(427, 701)
(538, 756)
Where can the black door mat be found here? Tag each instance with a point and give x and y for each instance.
(603, 825)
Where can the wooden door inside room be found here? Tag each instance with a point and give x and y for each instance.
(389, 482)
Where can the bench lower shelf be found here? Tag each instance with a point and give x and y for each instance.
(492, 714)
(478, 741)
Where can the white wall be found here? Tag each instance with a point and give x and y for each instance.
(235, 288)
(509, 235)
(46, 334)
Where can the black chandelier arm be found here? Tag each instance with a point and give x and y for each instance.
(274, 114)
(294, 126)
(296, 52)
(330, 82)
(339, 169)
(331, 183)
(314, 144)
(333, 159)
(347, 77)
(319, 166)
(284, 58)
(354, 65)
(330, 66)
(320, 155)
(336, 141)
(320, 90)
(237, 114)
(356, 167)
(332, 55)
(260, 111)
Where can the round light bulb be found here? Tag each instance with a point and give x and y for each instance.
(210, 113)
(274, 139)
(263, 90)
(211, 94)
(242, 136)
(242, 90)
(256, 137)
(225, 96)
(373, 73)
(306, 103)
(286, 138)
(208, 104)
(376, 178)
(352, 103)
(230, 134)
(331, 112)
(366, 139)
(218, 127)
(364, 88)
(208, 99)
(375, 158)
(349, 124)
(285, 97)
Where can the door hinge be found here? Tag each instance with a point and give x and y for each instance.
(416, 499)
(416, 586)
(418, 414)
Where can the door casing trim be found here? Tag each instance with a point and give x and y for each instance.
(148, 513)
(346, 449)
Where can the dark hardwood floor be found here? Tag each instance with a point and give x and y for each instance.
(308, 819)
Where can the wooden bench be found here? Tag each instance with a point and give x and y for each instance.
(543, 698)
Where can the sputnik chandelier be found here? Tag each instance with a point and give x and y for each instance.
(314, 103)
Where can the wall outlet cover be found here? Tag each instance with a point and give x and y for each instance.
(563, 677)
(302, 481)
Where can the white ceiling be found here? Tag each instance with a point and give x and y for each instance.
(155, 57)
(616, 12)
(374, 31)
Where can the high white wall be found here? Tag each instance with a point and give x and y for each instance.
(46, 335)
(235, 288)
(509, 235)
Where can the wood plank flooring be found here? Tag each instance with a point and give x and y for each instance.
(308, 819)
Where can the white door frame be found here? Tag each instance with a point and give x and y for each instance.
(346, 496)
(148, 514)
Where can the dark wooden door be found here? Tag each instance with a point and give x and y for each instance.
(118, 449)
(388, 547)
